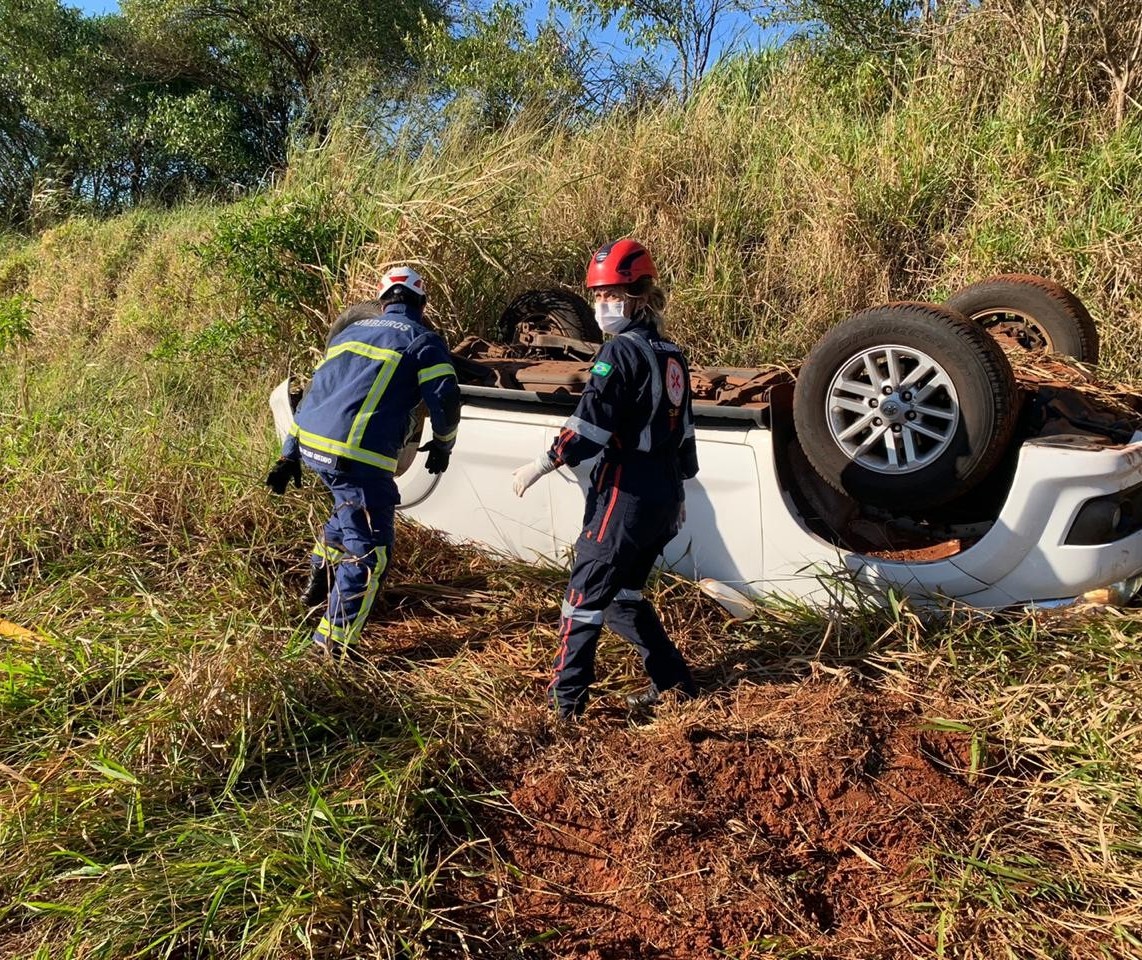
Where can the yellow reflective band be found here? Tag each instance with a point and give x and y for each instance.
(330, 631)
(376, 391)
(445, 437)
(329, 445)
(325, 552)
(354, 629)
(361, 349)
(293, 429)
(433, 373)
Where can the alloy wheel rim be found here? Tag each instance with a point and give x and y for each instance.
(892, 409)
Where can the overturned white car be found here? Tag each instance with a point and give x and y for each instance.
(905, 454)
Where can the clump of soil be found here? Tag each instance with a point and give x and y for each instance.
(797, 816)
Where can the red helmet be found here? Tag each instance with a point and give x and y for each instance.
(622, 261)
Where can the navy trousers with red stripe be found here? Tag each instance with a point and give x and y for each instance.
(623, 534)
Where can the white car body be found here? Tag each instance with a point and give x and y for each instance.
(744, 529)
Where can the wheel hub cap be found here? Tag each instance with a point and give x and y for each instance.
(892, 409)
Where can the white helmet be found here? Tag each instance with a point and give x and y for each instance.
(403, 277)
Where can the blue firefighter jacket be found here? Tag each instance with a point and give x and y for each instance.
(375, 370)
(636, 408)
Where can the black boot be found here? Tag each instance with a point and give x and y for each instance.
(644, 700)
(317, 587)
(652, 696)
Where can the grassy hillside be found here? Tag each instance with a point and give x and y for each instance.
(179, 780)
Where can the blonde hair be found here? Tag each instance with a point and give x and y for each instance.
(653, 301)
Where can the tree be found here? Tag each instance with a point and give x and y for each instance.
(688, 27)
(488, 65)
(84, 122)
(288, 62)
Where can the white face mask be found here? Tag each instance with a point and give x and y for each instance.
(611, 316)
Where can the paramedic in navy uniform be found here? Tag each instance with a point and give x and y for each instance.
(635, 409)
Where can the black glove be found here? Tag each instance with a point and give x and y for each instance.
(280, 474)
(438, 455)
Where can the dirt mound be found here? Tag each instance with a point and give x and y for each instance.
(796, 818)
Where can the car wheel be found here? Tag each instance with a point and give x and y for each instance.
(905, 406)
(1030, 313)
(558, 312)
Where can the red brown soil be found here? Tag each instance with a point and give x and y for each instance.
(797, 817)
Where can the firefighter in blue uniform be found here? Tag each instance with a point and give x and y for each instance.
(635, 409)
(380, 362)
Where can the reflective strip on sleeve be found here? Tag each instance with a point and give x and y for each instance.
(579, 615)
(626, 594)
(588, 430)
(435, 372)
(445, 437)
(360, 348)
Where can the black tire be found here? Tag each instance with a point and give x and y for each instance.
(1032, 313)
(972, 422)
(555, 311)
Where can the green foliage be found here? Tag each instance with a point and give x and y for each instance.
(15, 320)
(93, 122)
(489, 66)
(687, 28)
(289, 62)
(282, 259)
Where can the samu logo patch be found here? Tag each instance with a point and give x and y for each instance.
(601, 369)
(675, 381)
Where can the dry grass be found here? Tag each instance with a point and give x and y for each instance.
(777, 202)
(178, 780)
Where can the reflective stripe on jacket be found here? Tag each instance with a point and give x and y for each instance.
(375, 371)
(636, 406)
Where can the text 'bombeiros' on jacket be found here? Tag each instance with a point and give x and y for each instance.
(376, 370)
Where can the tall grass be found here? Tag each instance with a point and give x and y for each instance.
(780, 198)
(177, 780)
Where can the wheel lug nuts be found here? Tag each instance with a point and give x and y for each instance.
(910, 415)
(896, 428)
(905, 397)
(876, 421)
(886, 390)
(874, 403)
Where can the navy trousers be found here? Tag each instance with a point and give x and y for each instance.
(355, 546)
(623, 535)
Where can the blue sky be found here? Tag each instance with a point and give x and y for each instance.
(739, 27)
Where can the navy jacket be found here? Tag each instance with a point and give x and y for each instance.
(636, 408)
(376, 370)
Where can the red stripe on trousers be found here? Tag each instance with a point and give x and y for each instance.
(611, 505)
(565, 638)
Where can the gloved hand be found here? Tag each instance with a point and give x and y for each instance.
(438, 455)
(526, 475)
(281, 473)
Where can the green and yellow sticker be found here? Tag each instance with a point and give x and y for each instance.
(601, 369)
